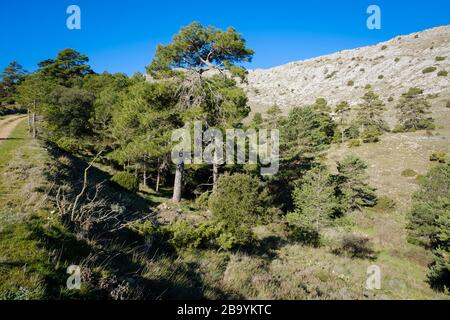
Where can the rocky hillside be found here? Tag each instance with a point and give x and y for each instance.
(390, 68)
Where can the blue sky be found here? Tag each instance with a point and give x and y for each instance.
(121, 36)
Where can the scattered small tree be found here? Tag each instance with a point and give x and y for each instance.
(412, 110)
(353, 185)
(11, 77)
(239, 201)
(315, 201)
(370, 113)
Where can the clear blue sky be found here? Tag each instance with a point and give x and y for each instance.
(121, 36)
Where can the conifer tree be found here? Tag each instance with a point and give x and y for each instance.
(412, 111)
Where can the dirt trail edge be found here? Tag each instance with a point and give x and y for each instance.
(8, 125)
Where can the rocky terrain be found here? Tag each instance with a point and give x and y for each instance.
(390, 68)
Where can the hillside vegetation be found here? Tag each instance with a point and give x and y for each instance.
(89, 179)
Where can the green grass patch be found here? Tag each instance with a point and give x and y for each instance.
(12, 143)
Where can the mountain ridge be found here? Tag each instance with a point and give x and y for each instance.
(389, 67)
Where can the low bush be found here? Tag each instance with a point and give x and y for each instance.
(409, 173)
(202, 201)
(442, 73)
(429, 70)
(371, 135)
(353, 143)
(70, 145)
(126, 180)
(384, 203)
(350, 83)
(356, 246)
(447, 105)
(439, 58)
(384, 47)
(438, 156)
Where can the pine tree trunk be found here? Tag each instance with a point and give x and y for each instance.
(34, 120)
(178, 182)
(34, 125)
(145, 174)
(215, 170)
(158, 178)
(215, 174)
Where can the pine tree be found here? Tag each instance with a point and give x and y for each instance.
(11, 77)
(356, 192)
(315, 201)
(370, 117)
(198, 49)
(342, 110)
(412, 111)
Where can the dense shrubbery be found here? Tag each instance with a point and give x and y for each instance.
(356, 191)
(412, 111)
(126, 180)
(438, 156)
(239, 201)
(429, 70)
(429, 222)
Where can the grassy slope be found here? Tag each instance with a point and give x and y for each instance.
(279, 269)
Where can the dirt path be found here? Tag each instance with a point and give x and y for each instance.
(8, 124)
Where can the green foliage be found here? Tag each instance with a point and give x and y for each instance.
(439, 273)
(380, 77)
(306, 132)
(202, 201)
(350, 83)
(321, 105)
(440, 58)
(68, 66)
(273, 117)
(126, 180)
(315, 202)
(239, 201)
(354, 143)
(390, 99)
(429, 203)
(370, 113)
(408, 173)
(257, 120)
(70, 110)
(429, 70)
(412, 111)
(384, 47)
(447, 105)
(69, 144)
(184, 234)
(197, 46)
(352, 182)
(429, 221)
(438, 156)
(356, 246)
(384, 203)
(442, 73)
(11, 77)
(34, 92)
(371, 134)
(397, 59)
(368, 87)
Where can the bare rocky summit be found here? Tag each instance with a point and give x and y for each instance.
(390, 68)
